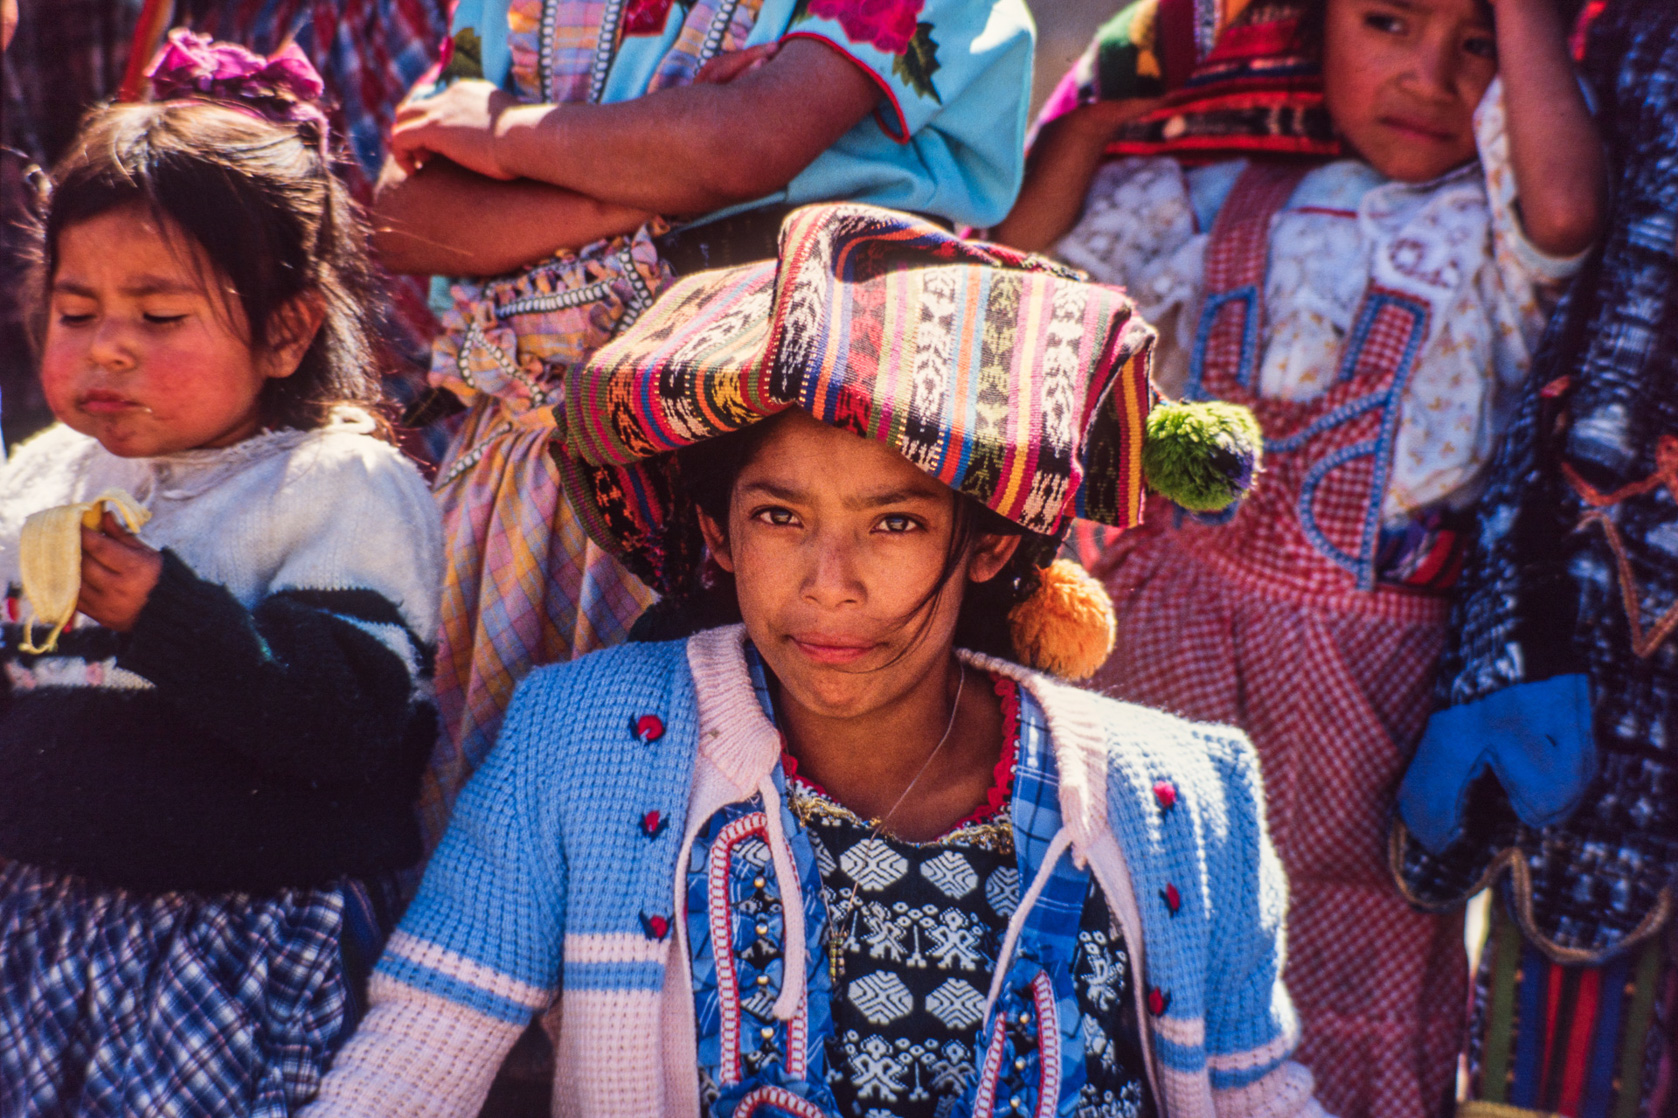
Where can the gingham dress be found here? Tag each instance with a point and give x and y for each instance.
(1277, 622)
(122, 1005)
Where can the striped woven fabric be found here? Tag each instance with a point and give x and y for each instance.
(998, 373)
(1575, 1041)
(1235, 76)
(1256, 92)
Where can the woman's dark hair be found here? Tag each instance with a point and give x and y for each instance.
(707, 472)
(260, 200)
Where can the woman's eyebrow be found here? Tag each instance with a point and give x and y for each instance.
(159, 285)
(901, 495)
(890, 497)
(770, 489)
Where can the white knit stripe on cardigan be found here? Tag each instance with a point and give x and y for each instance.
(414, 1054)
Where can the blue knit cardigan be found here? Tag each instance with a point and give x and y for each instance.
(564, 870)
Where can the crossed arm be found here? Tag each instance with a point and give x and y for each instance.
(479, 184)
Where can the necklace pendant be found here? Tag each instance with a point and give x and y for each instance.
(835, 959)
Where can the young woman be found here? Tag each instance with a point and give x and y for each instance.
(845, 857)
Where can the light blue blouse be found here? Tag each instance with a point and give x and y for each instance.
(948, 137)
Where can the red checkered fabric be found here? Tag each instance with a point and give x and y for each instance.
(1274, 622)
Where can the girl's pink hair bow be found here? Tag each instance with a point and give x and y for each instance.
(282, 87)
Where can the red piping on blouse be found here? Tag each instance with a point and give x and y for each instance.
(901, 135)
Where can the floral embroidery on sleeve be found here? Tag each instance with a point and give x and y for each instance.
(892, 27)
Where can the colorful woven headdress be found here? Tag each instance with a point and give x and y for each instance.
(1000, 374)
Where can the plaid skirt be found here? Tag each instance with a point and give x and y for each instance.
(118, 1004)
(1333, 694)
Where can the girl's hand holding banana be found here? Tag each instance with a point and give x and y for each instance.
(118, 574)
(85, 557)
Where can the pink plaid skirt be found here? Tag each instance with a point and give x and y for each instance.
(1334, 690)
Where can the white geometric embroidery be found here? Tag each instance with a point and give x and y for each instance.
(873, 865)
(875, 1071)
(824, 861)
(954, 944)
(883, 934)
(952, 1074)
(952, 873)
(751, 851)
(957, 1004)
(760, 1003)
(1003, 891)
(1096, 1041)
(918, 1055)
(1104, 975)
(881, 997)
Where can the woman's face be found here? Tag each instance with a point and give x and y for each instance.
(835, 543)
(1402, 79)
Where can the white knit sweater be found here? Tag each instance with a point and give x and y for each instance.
(328, 509)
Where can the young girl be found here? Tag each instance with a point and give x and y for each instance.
(205, 786)
(845, 859)
(1375, 312)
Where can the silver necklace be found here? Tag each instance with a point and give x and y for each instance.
(836, 939)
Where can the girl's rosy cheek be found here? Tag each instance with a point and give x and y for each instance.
(58, 364)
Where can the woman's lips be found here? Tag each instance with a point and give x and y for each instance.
(832, 650)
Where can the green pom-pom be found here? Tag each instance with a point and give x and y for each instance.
(1202, 456)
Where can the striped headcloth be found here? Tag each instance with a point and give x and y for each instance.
(999, 373)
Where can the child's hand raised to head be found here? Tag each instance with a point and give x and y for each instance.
(118, 574)
(1560, 170)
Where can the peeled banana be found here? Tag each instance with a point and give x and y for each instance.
(50, 560)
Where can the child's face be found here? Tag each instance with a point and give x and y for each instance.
(834, 541)
(1403, 78)
(139, 354)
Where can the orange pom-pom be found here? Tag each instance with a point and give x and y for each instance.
(1066, 627)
